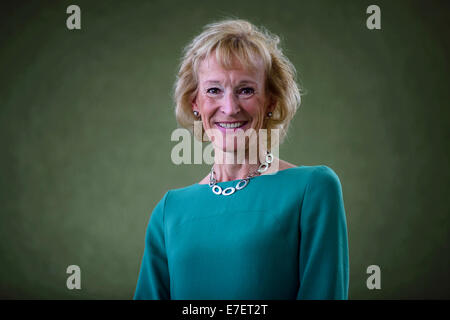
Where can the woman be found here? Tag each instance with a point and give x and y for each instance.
(264, 229)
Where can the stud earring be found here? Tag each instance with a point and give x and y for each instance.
(196, 113)
(269, 114)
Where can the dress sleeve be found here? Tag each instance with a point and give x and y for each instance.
(153, 282)
(324, 270)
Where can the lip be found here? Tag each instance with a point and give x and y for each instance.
(225, 130)
(231, 121)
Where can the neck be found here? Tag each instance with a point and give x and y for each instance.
(237, 165)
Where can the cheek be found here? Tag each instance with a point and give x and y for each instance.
(207, 106)
(209, 111)
(255, 109)
(208, 102)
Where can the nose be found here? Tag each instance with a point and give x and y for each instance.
(230, 103)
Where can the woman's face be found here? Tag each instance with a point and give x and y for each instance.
(230, 100)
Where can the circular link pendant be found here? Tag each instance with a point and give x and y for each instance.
(242, 183)
(239, 187)
(217, 189)
(230, 191)
(263, 167)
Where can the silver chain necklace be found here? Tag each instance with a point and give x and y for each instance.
(243, 182)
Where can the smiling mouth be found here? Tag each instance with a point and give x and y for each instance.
(231, 125)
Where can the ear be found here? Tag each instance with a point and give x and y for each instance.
(194, 104)
(272, 104)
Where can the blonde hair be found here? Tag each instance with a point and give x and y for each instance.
(236, 38)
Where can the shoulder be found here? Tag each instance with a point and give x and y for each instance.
(324, 177)
(314, 175)
(324, 173)
(323, 182)
(323, 199)
(183, 194)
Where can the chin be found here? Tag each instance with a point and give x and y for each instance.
(230, 147)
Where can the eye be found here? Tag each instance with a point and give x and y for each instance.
(247, 91)
(213, 91)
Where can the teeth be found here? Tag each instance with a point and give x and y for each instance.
(231, 125)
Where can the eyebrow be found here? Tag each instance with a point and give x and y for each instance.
(240, 83)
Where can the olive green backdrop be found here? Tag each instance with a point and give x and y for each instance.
(86, 118)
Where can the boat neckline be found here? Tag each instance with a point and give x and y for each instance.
(263, 175)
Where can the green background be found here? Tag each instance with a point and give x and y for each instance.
(86, 118)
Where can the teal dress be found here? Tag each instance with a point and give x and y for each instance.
(284, 236)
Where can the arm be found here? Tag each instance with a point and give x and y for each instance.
(324, 270)
(153, 282)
